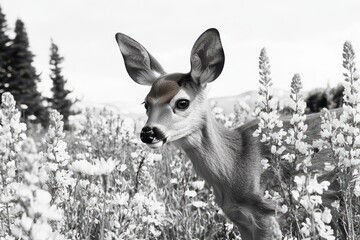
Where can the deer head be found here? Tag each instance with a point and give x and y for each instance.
(175, 105)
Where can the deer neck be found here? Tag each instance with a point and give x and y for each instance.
(211, 150)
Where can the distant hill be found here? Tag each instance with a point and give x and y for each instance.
(136, 110)
(250, 98)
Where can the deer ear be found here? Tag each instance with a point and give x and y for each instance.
(207, 57)
(140, 65)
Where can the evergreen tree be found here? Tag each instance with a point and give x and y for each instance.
(23, 80)
(60, 100)
(4, 53)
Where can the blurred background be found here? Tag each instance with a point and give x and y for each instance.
(301, 37)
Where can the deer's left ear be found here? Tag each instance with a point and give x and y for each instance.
(207, 57)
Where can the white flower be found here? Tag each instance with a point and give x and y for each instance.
(301, 146)
(190, 193)
(326, 232)
(41, 231)
(325, 134)
(305, 202)
(357, 190)
(319, 144)
(340, 138)
(265, 164)
(106, 167)
(357, 140)
(154, 232)
(153, 157)
(43, 197)
(198, 185)
(280, 150)
(316, 200)
(134, 155)
(100, 167)
(84, 183)
(123, 167)
(295, 194)
(326, 215)
(273, 149)
(82, 166)
(173, 181)
(199, 204)
(26, 222)
(336, 204)
(122, 199)
(284, 208)
(315, 187)
(329, 167)
(306, 227)
(300, 181)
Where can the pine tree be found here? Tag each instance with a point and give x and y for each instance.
(4, 53)
(23, 80)
(60, 99)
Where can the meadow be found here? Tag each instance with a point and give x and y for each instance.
(99, 181)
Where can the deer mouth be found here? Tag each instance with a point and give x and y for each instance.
(157, 143)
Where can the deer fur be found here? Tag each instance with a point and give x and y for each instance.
(229, 160)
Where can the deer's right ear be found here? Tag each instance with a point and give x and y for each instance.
(141, 66)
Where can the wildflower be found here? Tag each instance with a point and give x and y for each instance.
(284, 209)
(295, 194)
(300, 181)
(267, 195)
(315, 200)
(326, 232)
(190, 193)
(357, 190)
(336, 204)
(326, 215)
(315, 187)
(173, 181)
(100, 166)
(329, 167)
(26, 222)
(41, 231)
(306, 227)
(265, 163)
(199, 204)
(154, 232)
(122, 168)
(122, 199)
(198, 185)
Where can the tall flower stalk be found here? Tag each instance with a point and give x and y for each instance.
(28, 208)
(270, 126)
(306, 192)
(341, 134)
(11, 137)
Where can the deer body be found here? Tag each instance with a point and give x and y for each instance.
(178, 112)
(225, 162)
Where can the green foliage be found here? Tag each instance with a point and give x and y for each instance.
(18, 76)
(23, 80)
(329, 98)
(4, 52)
(59, 100)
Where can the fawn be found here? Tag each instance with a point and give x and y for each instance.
(178, 112)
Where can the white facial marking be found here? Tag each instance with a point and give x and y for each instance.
(155, 145)
(182, 94)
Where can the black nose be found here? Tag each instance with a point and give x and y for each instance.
(151, 135)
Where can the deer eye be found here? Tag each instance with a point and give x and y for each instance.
(182, 104)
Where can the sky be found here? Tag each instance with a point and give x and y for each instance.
(304, 37)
